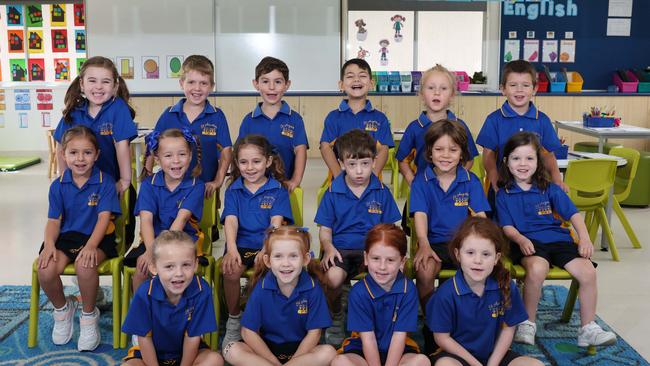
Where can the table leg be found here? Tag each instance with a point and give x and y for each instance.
(138, 156)
(601, 142)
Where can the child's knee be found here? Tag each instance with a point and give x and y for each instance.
(325, 353)
(208, 358)
(235, 275)
(419, 360)
(336, 276)
(536, 271)
(341, 360)
(85, 272)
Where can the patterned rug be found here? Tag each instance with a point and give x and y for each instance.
(556, 341)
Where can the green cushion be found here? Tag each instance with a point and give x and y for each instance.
(11, 163)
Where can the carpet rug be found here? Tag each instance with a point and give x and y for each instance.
(555, 342)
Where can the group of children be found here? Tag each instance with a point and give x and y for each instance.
(293, 297)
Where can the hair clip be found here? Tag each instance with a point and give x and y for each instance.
(151, 141)
(187, 134)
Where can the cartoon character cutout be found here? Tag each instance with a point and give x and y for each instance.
(383, 51)
(362, 53)
(362, 33)
(398, 24)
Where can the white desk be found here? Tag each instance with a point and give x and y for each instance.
(604, 133)
(576, 155)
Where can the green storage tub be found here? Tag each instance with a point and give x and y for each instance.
(640, 193)
(592, 146)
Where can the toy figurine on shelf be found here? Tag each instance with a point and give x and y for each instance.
(398, 24)
(383, 51)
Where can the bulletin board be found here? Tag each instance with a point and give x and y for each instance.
(149, 39)
(597, 55)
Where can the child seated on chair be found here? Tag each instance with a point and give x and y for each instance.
(356, 112)
(168, 200)
(355, 201)
(79, 230)
(528, 205)
(255, 199)
(171, 312)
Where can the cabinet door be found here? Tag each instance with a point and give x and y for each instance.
(401, 109)
(149, 109)
(474, 109)
(235, 108)
(313, 110)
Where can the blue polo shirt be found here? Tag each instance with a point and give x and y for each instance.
(342, 120)
(254, 210)
(78, 207)
(209, 128)
(472, 321)
(501, 124)
(372, 309)
(447, 210)
(285, 131)
(112, 124)
(155, 197)
(281, 319)
(534, 213)
(351, 217)
(152, 315)
(413, 140)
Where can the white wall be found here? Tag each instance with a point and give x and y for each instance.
(32, 138)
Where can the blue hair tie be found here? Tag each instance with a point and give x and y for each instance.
(151, 141)
(187, 134)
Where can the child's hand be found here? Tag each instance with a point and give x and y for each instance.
(258, 256)
(421, 260)
(292, 184)
(585, 248)
(48, 254)
(527, 248)
(87, 257)
(210, 188)
(564, 187)
(122, 185)
(230, 261)
(143, 262)
(329, 258)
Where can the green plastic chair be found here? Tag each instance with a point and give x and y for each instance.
(392, 165)
(110, 267)
(479, 169)
(296, 201)
(590, 181)
(208, 220)
(623, 185)
(555, 273)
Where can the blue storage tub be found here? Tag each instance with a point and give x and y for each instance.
(598, 121)
(558, 83)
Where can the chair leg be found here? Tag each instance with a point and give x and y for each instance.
(117, 318)
(626, 224)
(216, 299)
(592, 226)
(32, 337)
(126, 298)
(608, 232)
(570, 302)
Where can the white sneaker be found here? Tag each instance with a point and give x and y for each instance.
(63, 322)
(335, 334)
(593, 335)
(233, 330)
(526, 333)
(134, 340)
(89, 336)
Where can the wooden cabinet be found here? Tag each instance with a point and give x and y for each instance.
(235, 108)
(474, 109)
(313, 110)
(401, 109)
(149, 109)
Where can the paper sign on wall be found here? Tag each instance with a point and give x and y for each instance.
(36, 68)
(14, 15)
(46, 121)
(568, 50)
(61, 69)
(3, 106)
(549, 51)
(35, 42)
(58, 15)
(23, 120)
(150, 67)
(18, 70)
(511, 50)
(16, 41)
(21, 99)
(59, 40)
(531, 50)
(125, 67)
(174, 64)
(44, 99)
(2, 120)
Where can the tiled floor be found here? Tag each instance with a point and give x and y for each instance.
(624, 287)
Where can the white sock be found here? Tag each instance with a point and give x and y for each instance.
(63, 308)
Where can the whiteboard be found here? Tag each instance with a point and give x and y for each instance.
(234, 34)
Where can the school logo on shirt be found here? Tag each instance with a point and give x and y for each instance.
(461, 199)
(374, 207)
(302, 307)
(496, 309)
(188, 312)
(371, 126)
(267, 202)
(543, 208)
(106, 129)
(287, 130)
(208, 129)
(93, 199)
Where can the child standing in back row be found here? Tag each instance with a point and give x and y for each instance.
(274, 119)
(356, 112)
(437, 89)
(207, 123)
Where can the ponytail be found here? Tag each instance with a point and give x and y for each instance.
(502, 275)
(275, 170)
(72, 99)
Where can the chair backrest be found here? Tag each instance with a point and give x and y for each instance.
(625, 174)
(590, 180)
(208, 220)
(296, 200)
(120, 224)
